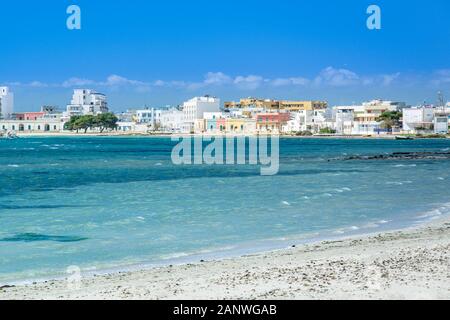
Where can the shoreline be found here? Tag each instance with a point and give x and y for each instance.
(170, 135)
(231, 275)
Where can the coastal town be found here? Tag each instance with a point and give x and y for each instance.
(89, 112)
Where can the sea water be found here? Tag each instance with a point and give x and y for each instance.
(108, 203)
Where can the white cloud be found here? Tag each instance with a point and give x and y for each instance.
(388, 79)
(250, 82)
(37, 84)
(216, 78)
(441, 77)
(337, 77)
(77, 82)
(299, 81)
(328, 77)
(115, 81)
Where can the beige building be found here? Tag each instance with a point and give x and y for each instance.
(267, 104)
(309, 105)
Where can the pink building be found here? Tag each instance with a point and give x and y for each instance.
(29, 115)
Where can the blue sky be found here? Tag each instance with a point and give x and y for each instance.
(157, 53)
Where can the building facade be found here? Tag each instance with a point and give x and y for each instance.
(86, 102)
(32, 126)
(6, 103)
(418, 119)
(269, 104)
(271, 122)
(363, 119)
(195, 108)
(172, 120)
(150, 117)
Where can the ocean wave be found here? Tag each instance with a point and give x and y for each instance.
(435, 213)
(405, 165)
(184, 254)
(399, 183)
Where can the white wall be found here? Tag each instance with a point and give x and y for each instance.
(6, 103)
(195, 108)
(86, 101)
(44, 125)
(417, 117)
(172, 120)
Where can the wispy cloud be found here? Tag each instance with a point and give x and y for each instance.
(336, 78)
(330, 77)
(441, 77)
(77, 82)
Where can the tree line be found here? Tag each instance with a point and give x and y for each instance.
(101, 122)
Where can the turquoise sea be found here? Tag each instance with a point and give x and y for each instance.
(104, 203)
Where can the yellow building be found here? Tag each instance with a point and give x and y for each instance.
(253, 103)
(307, 105)
(277, 105)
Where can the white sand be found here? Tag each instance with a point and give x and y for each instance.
(407, 264)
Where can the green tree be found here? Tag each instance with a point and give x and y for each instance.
(327, 131)
(72, 124)
(102, 121)
(85, 122)
(106, 121)
(390, 119)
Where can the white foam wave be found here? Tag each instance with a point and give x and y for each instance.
(405, 165)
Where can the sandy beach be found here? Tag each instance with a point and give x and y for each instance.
(406, 264)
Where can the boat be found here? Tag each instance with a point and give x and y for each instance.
(8, 135)
(403, 138)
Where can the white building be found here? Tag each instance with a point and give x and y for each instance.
(132, 127)
(37, 126)
(307, 120)
(363, 119)
(150, 116)
(418, 119)
(86, 101)
(6, 103)
(441, 123)
(195, 108)
(172, 120)
(366, 117)
(344, 117)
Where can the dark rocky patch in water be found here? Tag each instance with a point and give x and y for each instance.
(14, 207)
(401, 156)
(33, 237)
